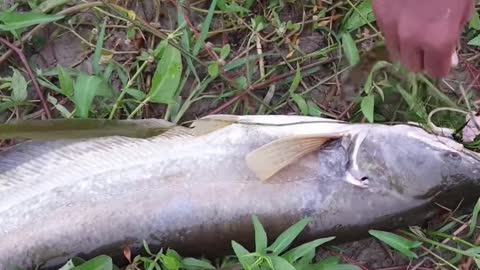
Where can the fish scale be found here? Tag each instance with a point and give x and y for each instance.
(78, 157)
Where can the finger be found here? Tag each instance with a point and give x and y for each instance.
(467, 15)
(411, 53)
(388, 26)
(411, 56)
(438, 54)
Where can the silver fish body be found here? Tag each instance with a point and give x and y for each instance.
(197, 193)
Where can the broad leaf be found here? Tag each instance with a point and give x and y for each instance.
(167, 76)
(241, 253)
(288, 236)
(98, 263)
(368, 106)
(86, 88)
(350, 49)
(296, 253)
(260, 235)
(192, 263)
(399, 243)
(280, 263)
(301, 103)
(19, 86)
(66, 81)
(359, 16)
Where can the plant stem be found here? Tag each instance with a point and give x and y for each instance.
(139, 107)
(24, 61)
(124, 89)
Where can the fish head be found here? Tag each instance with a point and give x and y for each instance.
(411, 162)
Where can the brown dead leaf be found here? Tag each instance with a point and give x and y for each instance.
(127, 253)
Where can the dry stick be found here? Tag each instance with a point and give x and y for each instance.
(40, 26)
(24, 61)
(266, 83)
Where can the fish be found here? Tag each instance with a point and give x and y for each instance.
(195, 188)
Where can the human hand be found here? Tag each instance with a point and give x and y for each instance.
(423, 34)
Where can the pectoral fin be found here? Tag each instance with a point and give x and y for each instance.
(269, 159)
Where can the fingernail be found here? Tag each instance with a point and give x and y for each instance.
(454, 59)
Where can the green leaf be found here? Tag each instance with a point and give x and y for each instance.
(313, 109)
(399, 243)
(234, 8)
(474, 219)
(296, 253)
(10, 104)
(286, 238)
(98, 263)
(475, 21)
(301, 103)
(307, 258)
(160, 49)
(19, 86)
(63, 111)
(86, 88)
(241, 253)
(137, 94)
(260, 235)
(296, 81)
(341, 267)
(98, 49)
(205, 28)
(167, 76)
(367, 88)
(192, 263)
(367, 107)
(350, 49)
(213, 70)
(15, 20)
(477, 262)
(355, 19)
(170, 262)
(473, 252)
(241, 82)
(475, 41)
(225, 52)
(332, 260)
(66, 81)
(67, 266)
(47, 5)
(280, 263)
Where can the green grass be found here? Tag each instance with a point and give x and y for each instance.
(236, 57)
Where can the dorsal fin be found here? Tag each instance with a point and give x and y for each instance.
(55, 129)
(269, 159)
(212, 123)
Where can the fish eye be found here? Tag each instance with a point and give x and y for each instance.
(453, 156)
